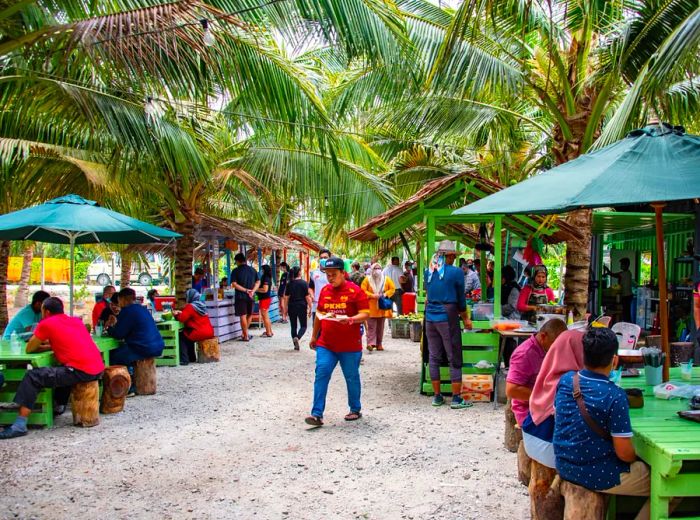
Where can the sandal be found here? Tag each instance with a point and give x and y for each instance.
(379, 348)
(370, 348)
(266, 335)
(312, 420)
(353, 416)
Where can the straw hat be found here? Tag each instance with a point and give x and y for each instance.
(447, 247)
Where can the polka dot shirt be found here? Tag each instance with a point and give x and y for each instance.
(584, 457)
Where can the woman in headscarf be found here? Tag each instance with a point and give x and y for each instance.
(565, 354)
(510, 293)
(377, 286)
(197, 326)
(537, 292)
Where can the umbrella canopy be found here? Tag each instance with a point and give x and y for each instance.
(656, 163)
(74, 220)
(58, 220)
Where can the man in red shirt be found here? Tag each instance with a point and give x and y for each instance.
(107, 293)
(336, 337)
(72, 346)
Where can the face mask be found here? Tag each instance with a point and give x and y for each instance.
(322, 262)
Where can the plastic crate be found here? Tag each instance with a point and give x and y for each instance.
(400, 329)
(415, 331)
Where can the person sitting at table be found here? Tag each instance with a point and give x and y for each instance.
(136, 327)
(566, 353)
(107, 293)
(592, 429)
(27, 317)
(196, 326)
(510, 293)
(151, 300)
(80, 362)
(112, 309)
(525, 364)
(535, 293)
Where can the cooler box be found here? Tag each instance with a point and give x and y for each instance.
(158, 301)
(408, 302)
(477, 387)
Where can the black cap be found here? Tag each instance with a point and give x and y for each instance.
(335, 263)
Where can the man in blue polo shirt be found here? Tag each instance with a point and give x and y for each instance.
(592, 432)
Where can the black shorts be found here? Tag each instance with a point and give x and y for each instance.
(243, 307)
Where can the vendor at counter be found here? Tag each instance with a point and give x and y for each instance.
(535, 293)
(445, 304)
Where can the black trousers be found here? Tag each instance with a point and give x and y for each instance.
(627, 308)
(61, 378)
(297, 312)
(187, 351)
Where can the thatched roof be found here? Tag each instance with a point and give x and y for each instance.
(305, 241)
(476, 187)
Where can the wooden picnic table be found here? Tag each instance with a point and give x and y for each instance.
(668, 444)
(16, 363)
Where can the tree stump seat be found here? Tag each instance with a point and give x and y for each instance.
(513, 434)
(115, 387)
(524, 462)
(85, 404)
(580, 502)
(208, 351)
(145, 376)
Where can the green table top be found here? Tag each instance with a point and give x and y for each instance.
(104, 344)
(658, 423)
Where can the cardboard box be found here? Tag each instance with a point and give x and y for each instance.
(477, 387)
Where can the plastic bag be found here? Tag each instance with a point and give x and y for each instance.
(671, 390)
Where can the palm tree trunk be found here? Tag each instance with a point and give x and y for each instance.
(184, 253)
(4, 264)
(578, 263)
(125, 275)
(23, 289)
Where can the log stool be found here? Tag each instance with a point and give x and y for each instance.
(681, 352)
(513, 434)
(85, 404)
(545, 498)
(145, 376)
(580, 502)
(524, 461)
(115, 386)
(208, 351)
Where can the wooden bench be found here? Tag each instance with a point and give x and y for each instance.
(145, 376)
(85, 404)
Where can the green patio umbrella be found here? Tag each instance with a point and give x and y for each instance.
(72, 220)
(656, 164)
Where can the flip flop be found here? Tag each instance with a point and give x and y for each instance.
(312, 420)
(266, 335)
(353, 416)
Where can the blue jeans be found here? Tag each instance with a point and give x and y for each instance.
(326, 360)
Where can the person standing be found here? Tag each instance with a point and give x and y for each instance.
(357, 275)
(377, 286)
(445, 304)
(199, 280)
(196, 326)
(471, 278)
(336, 338)
(27, 317)
(394, 272)
(408, 281)
(284, 278)
(245, 281)
(298, 302)
(265, 299)
(107, 293)
(624, 277)
(318, 280)
(537, 292)
(73, 348)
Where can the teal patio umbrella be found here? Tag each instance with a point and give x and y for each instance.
(653, 165)
(72, 220)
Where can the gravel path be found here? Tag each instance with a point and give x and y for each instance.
(227, 440)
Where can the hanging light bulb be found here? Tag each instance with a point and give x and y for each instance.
(208, 36)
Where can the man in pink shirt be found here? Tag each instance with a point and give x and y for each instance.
(525, 364)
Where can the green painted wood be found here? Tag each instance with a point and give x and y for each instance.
(169, 331)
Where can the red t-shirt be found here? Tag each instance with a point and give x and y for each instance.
(71, 343)
(348, 299)
(97, 310)
(196, 326)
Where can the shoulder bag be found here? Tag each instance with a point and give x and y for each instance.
(578, 396)
(384, 303)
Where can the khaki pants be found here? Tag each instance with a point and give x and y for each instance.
(636, 483)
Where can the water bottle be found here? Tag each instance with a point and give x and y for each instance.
(15, 343)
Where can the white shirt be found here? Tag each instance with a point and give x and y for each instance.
(394, 272)
(319, 279)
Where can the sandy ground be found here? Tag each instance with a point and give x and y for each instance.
(228, 440)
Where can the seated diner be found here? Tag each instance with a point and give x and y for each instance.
(27, 317)
(196, 326)
(101, 305)
(80, 362)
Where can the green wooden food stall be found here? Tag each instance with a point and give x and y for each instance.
(426, 218)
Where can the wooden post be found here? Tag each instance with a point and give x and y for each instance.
(208, 351)
(663, 288)
(582, 503)
(85, 404)
(115, 383)
(145, 376)
(498, 257)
